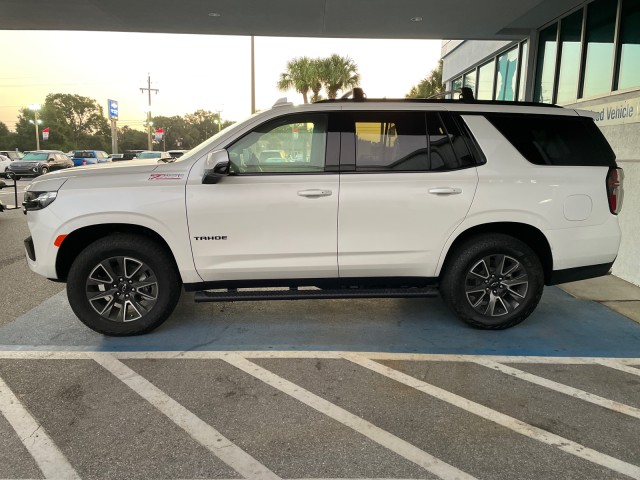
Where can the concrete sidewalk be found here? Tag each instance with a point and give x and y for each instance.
(613, 292)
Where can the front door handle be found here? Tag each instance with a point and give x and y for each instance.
(315, 193)
(445, 191)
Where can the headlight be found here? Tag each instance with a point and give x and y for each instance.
(38, 200)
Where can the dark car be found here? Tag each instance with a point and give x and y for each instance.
(39, 162)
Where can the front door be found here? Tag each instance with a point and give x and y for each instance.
(275, 215)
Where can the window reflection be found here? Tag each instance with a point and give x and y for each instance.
(547, 51)
(570, 36)
(630, 45)
(523, 71)
(485, 81)
(601, 19)
(470, 80)
(507, 66)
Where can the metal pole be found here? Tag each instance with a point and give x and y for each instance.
(149, 89)
(253, 78)
(35, 112)
(114, 137)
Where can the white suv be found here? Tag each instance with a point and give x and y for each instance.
(484, 201)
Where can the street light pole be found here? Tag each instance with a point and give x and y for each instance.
(35, 107)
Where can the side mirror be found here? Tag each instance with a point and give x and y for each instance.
(216, 166)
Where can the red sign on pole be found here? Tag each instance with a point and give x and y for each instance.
(159, 133)
(45, 133)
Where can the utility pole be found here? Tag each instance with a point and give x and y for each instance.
(149, 90)
(253, 79)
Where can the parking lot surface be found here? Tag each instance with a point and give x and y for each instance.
(332, 389)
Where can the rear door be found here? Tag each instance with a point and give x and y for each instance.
(407, 181)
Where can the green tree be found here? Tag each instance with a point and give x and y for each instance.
(74, 122)
(428, 86)
(199, 126)
(301, 75)
(338, 73)
(131, 139)
(8, 140)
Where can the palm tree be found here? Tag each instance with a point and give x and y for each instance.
(428, 86)
(299, 76)
(339, 73)
(316, 76)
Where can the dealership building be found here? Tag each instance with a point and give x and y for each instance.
(586, 58)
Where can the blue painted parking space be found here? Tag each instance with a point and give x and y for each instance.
(561, 326)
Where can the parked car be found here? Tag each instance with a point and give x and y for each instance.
(116, 156)
(177, 153)
(131, 154)
(39, 162)
(483, 201)
(12, 154)
(153, 155)
(89, 157)
(4, 163)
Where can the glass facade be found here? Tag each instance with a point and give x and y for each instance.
(486, 75)
(590, 53)
(507, 69)
(629, 51)
(501, 78)
(547, 52)
(601, 24)
(570, 37)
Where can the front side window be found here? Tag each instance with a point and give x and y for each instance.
(485, 81)
(291, 144)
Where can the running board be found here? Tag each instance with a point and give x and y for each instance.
(256, 295)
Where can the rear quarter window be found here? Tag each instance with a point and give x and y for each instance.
(555, 140)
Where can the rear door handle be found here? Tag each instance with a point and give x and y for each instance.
(445, 191)
(315, 193)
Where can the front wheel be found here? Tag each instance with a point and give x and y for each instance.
(45, 170)
(492, 281)
(123, 285)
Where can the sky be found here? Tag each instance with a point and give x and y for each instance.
(192, 72)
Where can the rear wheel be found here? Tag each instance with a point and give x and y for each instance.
(492, 281)
(123, 285)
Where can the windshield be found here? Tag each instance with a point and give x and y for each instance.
(144, 155)
(35, 157)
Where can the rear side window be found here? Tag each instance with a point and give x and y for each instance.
(402, 142)
(555, 140)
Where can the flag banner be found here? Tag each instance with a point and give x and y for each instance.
(159, 133)
(45, 133)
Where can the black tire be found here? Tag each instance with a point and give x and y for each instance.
(152, 291)
(44, 170)
(492, 302)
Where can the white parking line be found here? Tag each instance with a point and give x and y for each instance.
(619, 366)
(51, 461)
(50, 352)
(561, 388)
(369, 430)
(200, 431)
(506, 421)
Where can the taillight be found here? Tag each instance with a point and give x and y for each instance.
(84, 162)
(615, 189)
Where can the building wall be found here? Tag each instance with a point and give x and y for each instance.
(622, 131)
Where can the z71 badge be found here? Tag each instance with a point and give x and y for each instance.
(166, 176)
